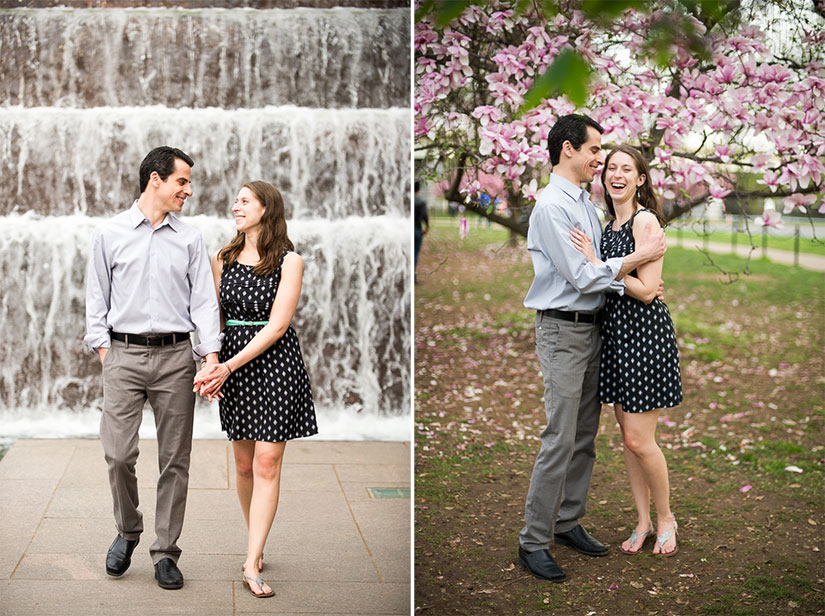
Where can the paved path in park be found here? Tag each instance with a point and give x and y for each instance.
(786, 257)
(334, 547)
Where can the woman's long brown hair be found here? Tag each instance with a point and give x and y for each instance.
(272, 240)
(645, 197)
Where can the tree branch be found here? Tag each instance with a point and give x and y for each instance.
(780, 193)
(701, 159)
(511, 223)
(453, 193)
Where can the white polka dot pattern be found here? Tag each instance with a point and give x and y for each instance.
(269, 398)
(640, 359)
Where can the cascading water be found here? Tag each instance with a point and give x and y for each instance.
(313, 100)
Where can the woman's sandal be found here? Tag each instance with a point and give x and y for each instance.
(260, 582)
(664, 538)
(634, 538)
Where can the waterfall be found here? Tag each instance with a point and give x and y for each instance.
(313, 100)
(329, 163)
(240, 58)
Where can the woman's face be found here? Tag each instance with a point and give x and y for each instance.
(248, 211)
(621, 178)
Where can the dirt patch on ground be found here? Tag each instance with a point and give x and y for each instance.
(751, 536)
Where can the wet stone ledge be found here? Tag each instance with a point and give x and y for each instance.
(228, 59)
(328, 163)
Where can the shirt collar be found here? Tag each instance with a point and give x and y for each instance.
(136, 217)
(568, 187)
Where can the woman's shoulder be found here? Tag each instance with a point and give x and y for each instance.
(290, 258)
(643, 210)
(648, 216)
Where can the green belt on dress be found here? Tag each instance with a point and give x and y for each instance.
(233, 322)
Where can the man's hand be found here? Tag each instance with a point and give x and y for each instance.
(209, 380)
(101, 351)
(204, 375)
(651, 246)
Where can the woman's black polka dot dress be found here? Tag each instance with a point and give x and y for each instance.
(640, 359)
(268, 398)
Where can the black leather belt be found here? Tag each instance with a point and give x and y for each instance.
(576, 317)
(151, 341)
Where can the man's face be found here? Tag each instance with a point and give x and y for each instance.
(588, 159)
(177, 187)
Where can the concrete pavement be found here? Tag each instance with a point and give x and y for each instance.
(338, 545)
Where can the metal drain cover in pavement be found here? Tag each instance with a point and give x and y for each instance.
(389, 492)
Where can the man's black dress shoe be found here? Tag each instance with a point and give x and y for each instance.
(168, 575)
(120, 556)
(581, 541)
(541, 564)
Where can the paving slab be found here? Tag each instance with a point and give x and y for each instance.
(333, 549)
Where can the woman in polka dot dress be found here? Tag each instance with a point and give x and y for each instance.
(640, 361)
(265, 394)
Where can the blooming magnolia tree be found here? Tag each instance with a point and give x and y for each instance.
(753, 103)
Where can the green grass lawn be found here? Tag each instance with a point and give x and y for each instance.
(752, 365)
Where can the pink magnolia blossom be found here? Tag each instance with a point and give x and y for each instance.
(475, 182)
(770, 218)
(759, 161)
(486, 114)
(463, 229)
(798, 201)
(719, 190)
(770, 179)
(723, 152)
(752, 109)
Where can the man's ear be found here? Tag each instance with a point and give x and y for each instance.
(567, 149)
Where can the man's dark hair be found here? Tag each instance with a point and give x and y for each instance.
(417, 186)
(162, 160)
(572, 128)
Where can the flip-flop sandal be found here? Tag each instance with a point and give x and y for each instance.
(260, 582)
(664, 538)
(634, 538)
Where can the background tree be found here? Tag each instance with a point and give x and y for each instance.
(708, 90)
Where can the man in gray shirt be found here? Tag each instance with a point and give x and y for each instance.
(149, 285)
(567, 294)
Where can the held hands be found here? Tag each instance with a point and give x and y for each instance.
(210, 379)
(583, 244)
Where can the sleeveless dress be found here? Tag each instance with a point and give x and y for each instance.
(268, 398)
(640, 359)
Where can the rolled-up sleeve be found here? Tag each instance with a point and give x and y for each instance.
(555, 242)
(98, 286)
(203, 305)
